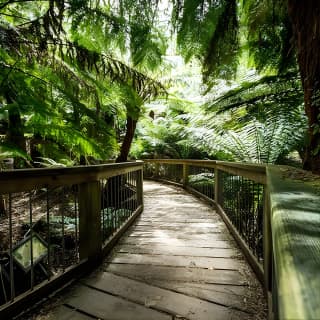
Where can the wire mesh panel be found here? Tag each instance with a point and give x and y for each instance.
(38, 238)
(119, 201)
(242, 201)
(150, 169)
(169, 172)
(202, 180)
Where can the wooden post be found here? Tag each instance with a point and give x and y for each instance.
(90, 235)
(140, 186)
(267, 251)
(185, 175)
(156, 170)
(218, 186)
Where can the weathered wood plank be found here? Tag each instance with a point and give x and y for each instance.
(178, 242)
(65, 313)
(177, 261)
(237, 297)
(163, 300)
(180, 234)
(172, 225)
(179, 251)
(165, 273)
(179, 220)
(105, 306)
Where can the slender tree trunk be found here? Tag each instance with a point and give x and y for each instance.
(15, 132)
(116, 184)
(126, 144)
(305, 19)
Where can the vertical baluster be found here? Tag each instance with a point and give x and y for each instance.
(48, 233)
(113, 201)
(62, 228)
(258, 251)
(12, 285)
(31, 243)
(103, 210)
(254, 244)
(118, 189)
(240, 204)
(127, 196)
(131, 195)
(246, 202)
(219, 190)
(76, 218)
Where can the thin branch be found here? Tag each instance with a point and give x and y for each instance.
(2, 6)
(12, 67)
(13, 16)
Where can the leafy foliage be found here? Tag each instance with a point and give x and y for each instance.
(260, 121)
(208, 30)
(61, 84)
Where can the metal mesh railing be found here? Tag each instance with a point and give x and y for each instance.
(242, 201)
(119, 201)
(202, 180)
(164, 171)
(39, 237)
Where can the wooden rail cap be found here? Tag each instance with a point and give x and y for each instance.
(27, 179)
(295, 223)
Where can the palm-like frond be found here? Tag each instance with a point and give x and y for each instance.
(267, 96)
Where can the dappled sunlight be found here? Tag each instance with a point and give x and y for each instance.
(167, 239)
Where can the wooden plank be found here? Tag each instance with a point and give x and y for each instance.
(179, 251)
(105, 306)
(178, 242)
(180, 234)
(65, 313)
(179, 220)
(237, 297)
(165, 273)
(177, 261)
(193, 225)
(167, 301)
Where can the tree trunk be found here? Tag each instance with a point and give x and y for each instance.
(305, 19)
(126, 144)
(117, 183)
(15, 132)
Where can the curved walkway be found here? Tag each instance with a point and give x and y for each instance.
(177, 261)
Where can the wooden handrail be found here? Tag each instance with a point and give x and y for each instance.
(26, 179)
(252, 171)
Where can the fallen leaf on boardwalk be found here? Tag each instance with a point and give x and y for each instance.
(151, 301)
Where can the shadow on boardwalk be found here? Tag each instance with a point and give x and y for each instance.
(177, 262)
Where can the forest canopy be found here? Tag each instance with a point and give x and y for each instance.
(87, 81)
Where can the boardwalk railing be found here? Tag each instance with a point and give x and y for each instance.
(57, 223)
(273, 213)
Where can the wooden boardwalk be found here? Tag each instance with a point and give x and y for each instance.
(177, 262)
